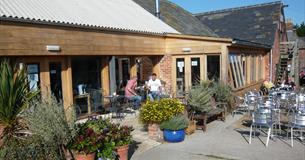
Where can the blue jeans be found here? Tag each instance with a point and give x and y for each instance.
(136, 100)
(154, 95)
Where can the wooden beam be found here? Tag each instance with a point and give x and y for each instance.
(133, 67)
(105, 75)
(224, 63)
(248, 69)
(67, 87)
(187, 73)
(202, 67)
(45, 83)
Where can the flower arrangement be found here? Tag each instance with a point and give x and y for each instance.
(159, 111)
(86, 140)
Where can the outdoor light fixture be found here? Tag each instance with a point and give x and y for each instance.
(186, 49)
(53, 48)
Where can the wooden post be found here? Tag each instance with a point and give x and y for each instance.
(45, 86)
(224, 63)
(133, 67)
(248, 69)
(67, 87)
(105, 76)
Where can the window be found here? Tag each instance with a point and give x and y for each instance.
(236, 70)
(195, 70)
(33, 76)
(213, 67)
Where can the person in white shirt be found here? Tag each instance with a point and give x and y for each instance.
(154, 86)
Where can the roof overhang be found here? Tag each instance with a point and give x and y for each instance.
(202, 38)
(244, 43)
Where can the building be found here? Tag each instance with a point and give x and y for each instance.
(101, 44)
(263, 24)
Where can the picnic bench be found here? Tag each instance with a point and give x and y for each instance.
(218, 111)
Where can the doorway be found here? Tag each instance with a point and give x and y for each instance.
(55, 80)
(188, 73)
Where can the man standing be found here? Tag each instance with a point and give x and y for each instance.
(154, 86)
(130, 92)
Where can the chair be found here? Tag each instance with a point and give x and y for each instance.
(96, 98)
(262, 117)
(128, 105)
(241, 105)
(297, 122)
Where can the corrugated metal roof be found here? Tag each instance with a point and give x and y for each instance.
(109, 14)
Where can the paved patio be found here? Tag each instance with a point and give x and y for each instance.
(222, 141)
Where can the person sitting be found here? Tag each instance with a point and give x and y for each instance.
(130, 92)
(154, 86)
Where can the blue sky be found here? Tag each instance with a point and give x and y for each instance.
(295, 11)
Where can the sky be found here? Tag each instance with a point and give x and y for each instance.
(295, 10)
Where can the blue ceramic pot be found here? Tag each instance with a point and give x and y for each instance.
(174, 136)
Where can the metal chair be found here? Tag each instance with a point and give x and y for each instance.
(241, 106)
(297, 122)
(262, 117)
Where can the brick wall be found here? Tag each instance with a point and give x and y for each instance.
(166, 71)
(147, 68)
(275, 54)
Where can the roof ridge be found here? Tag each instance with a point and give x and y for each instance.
(237, 8)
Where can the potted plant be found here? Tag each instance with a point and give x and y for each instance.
(85, 144)
(199, 100)
(154, 113)
(121, 138)
(174, 128)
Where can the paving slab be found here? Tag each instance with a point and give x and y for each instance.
(227, 141)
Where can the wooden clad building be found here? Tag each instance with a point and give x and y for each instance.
(62, 55)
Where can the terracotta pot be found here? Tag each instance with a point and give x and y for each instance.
(80, 156)
(154, 131)
(123, 152)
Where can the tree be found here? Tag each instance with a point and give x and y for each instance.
(300, 29)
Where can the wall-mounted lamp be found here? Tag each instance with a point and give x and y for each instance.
(53, 48)
(186, 49)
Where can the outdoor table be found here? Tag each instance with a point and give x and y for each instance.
(84, 96)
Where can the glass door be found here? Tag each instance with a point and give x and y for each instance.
(180, 76)
(188, 73)
(195, 71)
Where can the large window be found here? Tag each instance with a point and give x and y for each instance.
(213, 67)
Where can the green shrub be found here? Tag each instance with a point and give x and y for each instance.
(159, 111)
(47, 133)
(199, 97)
(222, 92)
(175, 123)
